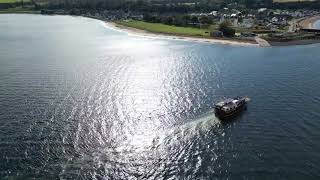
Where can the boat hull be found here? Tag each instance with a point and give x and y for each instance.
(223, 115)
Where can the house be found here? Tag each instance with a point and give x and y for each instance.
(222, 18)
(274, 19)
(235, 22)
(272, 27)
(213, 13)
(261, 10)
(233, 15)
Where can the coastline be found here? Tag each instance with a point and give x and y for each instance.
(307, 22)
(295, 42)
(147, 34)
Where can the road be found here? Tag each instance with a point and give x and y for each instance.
(262, 42)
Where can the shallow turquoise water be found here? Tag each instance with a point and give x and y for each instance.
(79, 100)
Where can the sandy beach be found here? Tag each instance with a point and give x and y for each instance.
(142, 33)
(259, 42)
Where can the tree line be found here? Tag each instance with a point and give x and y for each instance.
(178, 19)
(164, 6)
(167, 6)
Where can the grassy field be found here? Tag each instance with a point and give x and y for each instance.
(166, 29)
(13, 1)
(18, 10)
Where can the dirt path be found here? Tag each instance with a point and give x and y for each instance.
(262, 42)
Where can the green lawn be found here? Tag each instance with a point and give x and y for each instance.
(18, 10)
(13, 1)
(166, 29)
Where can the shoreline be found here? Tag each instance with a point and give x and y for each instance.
(294, 42)
(305, 23)
(257, 42)
(147, 34)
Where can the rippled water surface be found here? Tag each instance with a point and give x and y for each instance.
(79, 100)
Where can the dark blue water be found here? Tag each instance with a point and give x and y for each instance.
(79, 100)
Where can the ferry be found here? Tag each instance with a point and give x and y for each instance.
(230, 107)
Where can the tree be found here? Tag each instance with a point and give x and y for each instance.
(178, 21)
(205, 20)
(186, 19)
(147, 17)
(225, 27)
(167, 20)
(194, 19)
